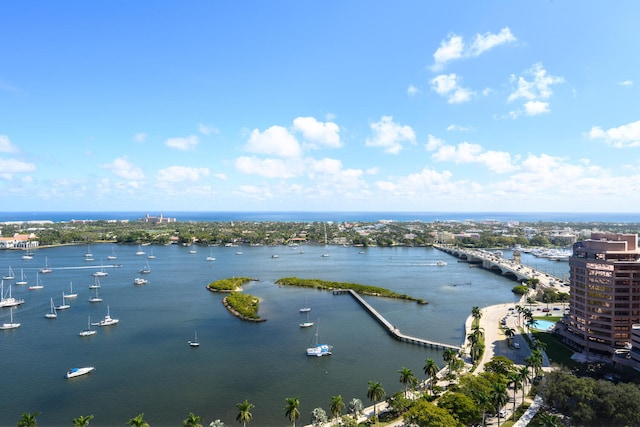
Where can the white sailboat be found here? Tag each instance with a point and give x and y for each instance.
(70, 294)
(46, 268)
(194, 342)
(319, 349)
(9, 276)
(52, 314)
(88, 332)
(8, 301)
(306, 324)
(146, 269)
(306, 308)
(64, 305)
(151, 255)
(28, 255)
(113, 254)
(211, 257)
(38, 284)
(96, 284)
(101, 272)
(140, 251)
(11, 324)
(23, 280)
(88, 254)
(95, 298)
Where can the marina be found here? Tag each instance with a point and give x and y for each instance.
(247, 358)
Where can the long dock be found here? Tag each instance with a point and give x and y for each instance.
(393, 331)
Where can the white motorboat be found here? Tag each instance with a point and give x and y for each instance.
(140, 281)
(11, 324)
(88, 332)
(52, 314)
(108, 320)
(441, 263)
(76, 372)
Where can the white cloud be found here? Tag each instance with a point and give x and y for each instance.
(324, 134)
(448, 85)
(433, 143)
(10, 167)
(178, 174)
(123, 168)
(207, 130)
(268, 168)
(140, 137)
(427, 181)
(6, 146)
(184, 144)
(412, 90)
(455, 48)
(220, 176)
(496, 161)
(535, 92)
(275, 141)
(626, 83)
(390, 135)
(458, 128)
(623, 136)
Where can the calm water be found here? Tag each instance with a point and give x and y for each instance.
(144, 363)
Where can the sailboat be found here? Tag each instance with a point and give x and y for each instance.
(319, 349)
(70, 294)
(88, 254)
(96, 284)
(211, 257)
(28, 255)
(23, 280)
(11, 324)
(113, 254)
(64, 304)
(146, 269)
(51, 314)
(46, 268)
(306, 308)
(151, 255)
(306, 324)
(8, 301)
(38, 284)
(140, 251)
(88, 332)
(9, 276)
(95, 298)
(101, 272)
(194, 342)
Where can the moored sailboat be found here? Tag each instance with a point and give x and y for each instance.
(319, 349)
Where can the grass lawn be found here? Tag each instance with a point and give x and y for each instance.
(557, 352)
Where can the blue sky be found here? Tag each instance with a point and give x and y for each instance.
(334, 105)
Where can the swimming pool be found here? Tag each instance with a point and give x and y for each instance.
(544, 325)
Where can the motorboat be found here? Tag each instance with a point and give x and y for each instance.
(441, 263)
(108, 320)
(140, 281)
(76, 372)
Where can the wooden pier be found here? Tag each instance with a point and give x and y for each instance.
(393, 331)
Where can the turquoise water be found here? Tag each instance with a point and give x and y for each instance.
(144, 363)
(543, 325)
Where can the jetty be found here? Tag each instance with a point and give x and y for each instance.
(393, 331)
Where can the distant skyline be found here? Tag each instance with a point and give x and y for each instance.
(334, 106)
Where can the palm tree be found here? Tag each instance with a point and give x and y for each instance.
(499, 397)
(82, 421)
(449, 355)
(336, 406)
(355, 407)
(514, 378)
(137, 421)
(192, 421)
(536, 360)
(549, 420)
(509, 332)
(523, 372)
(375, 392)
(431, 371)
(291, 409)
(407, 379)
(244, 415)
(476, 313)
(28, 419)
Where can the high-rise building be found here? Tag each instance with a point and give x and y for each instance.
(604, 300)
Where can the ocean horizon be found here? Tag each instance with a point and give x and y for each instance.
(312, 216)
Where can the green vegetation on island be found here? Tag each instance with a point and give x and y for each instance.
(229, 284)
(244, 306)
(361, 289)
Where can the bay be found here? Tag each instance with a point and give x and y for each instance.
(144, 363)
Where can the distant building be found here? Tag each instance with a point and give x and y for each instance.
(156, 219)
(19, 241)
(604, 299)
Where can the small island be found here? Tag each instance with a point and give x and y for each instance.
(243, 306)
(230, 284)
(361, 289)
